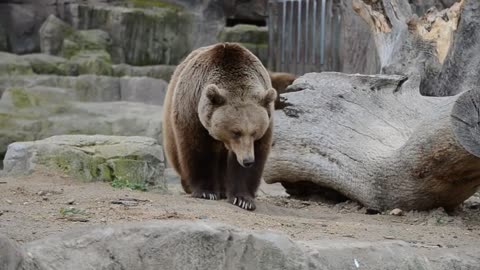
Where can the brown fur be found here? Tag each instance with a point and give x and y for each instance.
(280, 81)
(218, 116)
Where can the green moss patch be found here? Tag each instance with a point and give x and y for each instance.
(22, 99)
(153, 3)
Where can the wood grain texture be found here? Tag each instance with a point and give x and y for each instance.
(377, 140)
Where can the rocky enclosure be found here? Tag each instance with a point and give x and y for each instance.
(81, 93)
(136, 160)
(187, 245)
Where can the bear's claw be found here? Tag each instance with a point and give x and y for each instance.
(244, 203)
(207, 195)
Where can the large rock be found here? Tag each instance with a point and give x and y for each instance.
(135, 161)
(28, 114)
(96, 62)
(86, 40)
(157, 35)
(49, 64)
(52, 34)
(163, 72)
(93, 88)
(200, 245)
(11, 64)
(142, 89)
(10, 254)
(93, 62)
(244, 33)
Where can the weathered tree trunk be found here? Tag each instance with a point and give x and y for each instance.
(377, 139)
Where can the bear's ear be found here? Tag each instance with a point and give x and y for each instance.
(269, 97)
(213, 94)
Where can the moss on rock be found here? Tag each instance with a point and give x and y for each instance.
(244, 33)
(86, 40)
(134, 161)
(21, 98)
(11, 64)
(49, 64)
(93, 62)
(153, 3)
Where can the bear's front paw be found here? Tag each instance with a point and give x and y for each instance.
(243, 202)
(206, 195)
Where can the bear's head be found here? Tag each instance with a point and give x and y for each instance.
(237, 121)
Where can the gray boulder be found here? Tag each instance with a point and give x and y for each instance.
(201, 245)
(28, 114)
(52, 33)
(143, 89)
(11, 255)
(93, 62)
(244, 33)
(93, 88)
(163, 72)
(136, 162)
(11, 64)
(50, 64)
(159, 34)
(86, 40)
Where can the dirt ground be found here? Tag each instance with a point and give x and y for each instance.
(32, 207)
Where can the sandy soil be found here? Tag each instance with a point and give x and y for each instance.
(31, 208)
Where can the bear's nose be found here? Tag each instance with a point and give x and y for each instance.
(248, 162)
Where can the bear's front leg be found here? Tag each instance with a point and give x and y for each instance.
(242, 183)
(207, 171)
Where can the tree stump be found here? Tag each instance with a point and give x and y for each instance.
(378, 139)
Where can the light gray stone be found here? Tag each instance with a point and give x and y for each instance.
(11, 255)
(143, 89)
(11, 64)
(147, 36)
(201, 245)
(52, 33)
(50, 64)
(28, 114)
(164, 72)
(93, 62)
(131, 160)
(94, 88)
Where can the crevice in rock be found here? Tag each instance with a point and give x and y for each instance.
(234, 21)
(305, 190)
(2, 157)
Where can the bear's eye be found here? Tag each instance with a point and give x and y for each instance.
(237, 133)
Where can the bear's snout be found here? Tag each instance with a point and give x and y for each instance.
(248, 162)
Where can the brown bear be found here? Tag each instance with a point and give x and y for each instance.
(218, 123)
(280, 81)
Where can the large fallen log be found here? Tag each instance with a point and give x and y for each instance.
(377, 139)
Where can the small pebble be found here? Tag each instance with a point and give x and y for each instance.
(389, 237)
(45, 198)
(396, 212)
(71, 201)
(8, 201)
(41, 193)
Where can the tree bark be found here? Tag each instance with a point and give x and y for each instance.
(441, 47)
(385, 140)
